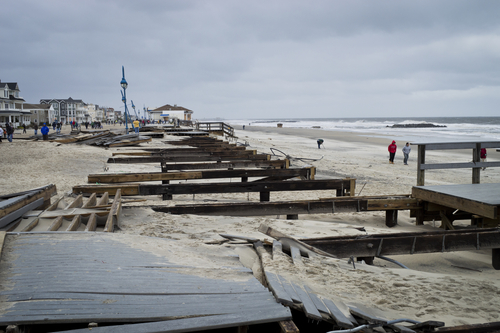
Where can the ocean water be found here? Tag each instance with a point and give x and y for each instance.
(457, 128)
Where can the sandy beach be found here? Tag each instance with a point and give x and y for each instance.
(433, 288)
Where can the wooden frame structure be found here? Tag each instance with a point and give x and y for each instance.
(293, 208)
(91, 213)
(244, 174)
(342, 187)
(476, 164)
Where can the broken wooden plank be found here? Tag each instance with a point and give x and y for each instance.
(308, 306)
(275, 286)
(2, 240)
(31, 225)
(110, 189)
(103, 200)
(206, 174)
(112, 220)
(338, 316)
(295, 254)
(91, 223)
(77, 203)
(226, 165)
(318, 303)
(233, 237)
(14, 215)
(75, 224)
(287, 240)
(56, 224)
(366, 316)
(289, 289)
(91, 201)
(277, 249)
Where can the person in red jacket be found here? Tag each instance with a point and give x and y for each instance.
(392, 151)
(483, 156)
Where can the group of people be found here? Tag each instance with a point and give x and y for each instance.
(8, 132)
(392, 152)
(407, 149)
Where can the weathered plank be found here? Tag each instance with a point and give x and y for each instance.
(16, 201)
(277, 289)
(206, 174)
(284, 164)
(110, 189)
(243, 187)
(91, 223)
(14, 215)
(308, 306)
(183, 159)
(114, 212)
(75, 224)
(340, 318)
(56, 224)
(335, 205)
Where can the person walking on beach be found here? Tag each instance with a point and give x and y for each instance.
(320, 142)
(136, 125)
(483, 156)
(406, 152)
(24, 128)
(392, 151)
(35, 127)
(45, 132)
(10, 131)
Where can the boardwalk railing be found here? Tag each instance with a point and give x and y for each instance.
(216, 127)
(476, 163)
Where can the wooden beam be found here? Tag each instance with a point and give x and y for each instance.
(2, 240)
(263, 187)
(408, 243)
(91, 201)
(103, 200)
(110, 189)
(269, 208)
(12, 204)
(56, 224)
(188, 158)
(114, 212)
(75, 224)
(288, 326)
(205, 174)
(91, 223)
(77, 203)
(283, 164)
(31, 225)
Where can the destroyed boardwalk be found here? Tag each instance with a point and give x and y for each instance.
(48, 278)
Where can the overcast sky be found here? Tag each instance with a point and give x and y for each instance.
(259, 59)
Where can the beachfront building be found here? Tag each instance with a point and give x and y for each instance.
(67, 110)
(168, 112)
(40, 113)
(11, 105)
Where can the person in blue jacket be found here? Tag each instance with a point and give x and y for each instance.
(45, 131)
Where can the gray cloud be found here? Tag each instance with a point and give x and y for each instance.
(239, 59)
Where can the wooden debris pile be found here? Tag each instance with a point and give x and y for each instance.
(98, 138)
(21, 212)
(317, 307)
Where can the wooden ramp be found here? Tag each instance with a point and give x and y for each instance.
(79, 278)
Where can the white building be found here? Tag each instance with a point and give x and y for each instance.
(11, 105)
(167, 112)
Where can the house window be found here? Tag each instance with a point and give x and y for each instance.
(6, 106)
(6, 93)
